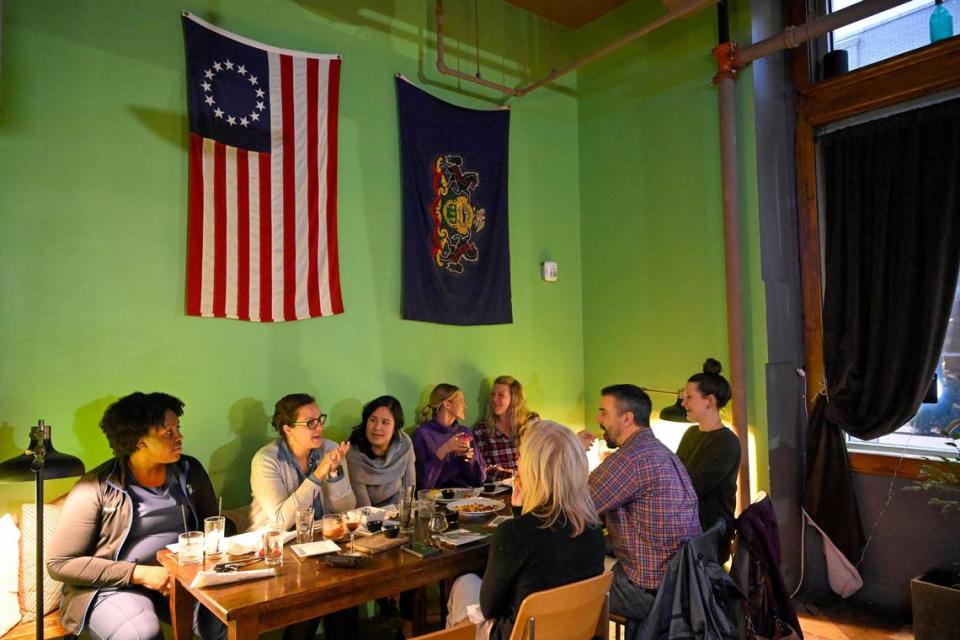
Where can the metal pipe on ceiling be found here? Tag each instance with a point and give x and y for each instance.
(794, 36)
(677, 9)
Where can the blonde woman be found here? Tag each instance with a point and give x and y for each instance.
(555, 538)
(499, 431)
(445, 456)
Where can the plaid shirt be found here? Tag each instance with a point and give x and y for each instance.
(649, 503)
(497, 449)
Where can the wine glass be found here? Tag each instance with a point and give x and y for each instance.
(437, 525)
(352, 520)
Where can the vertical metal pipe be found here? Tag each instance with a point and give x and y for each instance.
(723, 22)
(39, 568)
(734, 277)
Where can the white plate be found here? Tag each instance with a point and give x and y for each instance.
(499, 489)
(489, 506)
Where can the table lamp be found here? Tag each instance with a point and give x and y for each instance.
(40, 462)
(675, 412)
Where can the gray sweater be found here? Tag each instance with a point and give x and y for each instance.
(380, 481)
(279, 489)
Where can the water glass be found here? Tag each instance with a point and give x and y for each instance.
(406, 515)
(213, 535)
(304, 523)
(273, 547)
(191, 548)
(425, 503)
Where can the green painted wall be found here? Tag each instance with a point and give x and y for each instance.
(651, 210)
(93, 190)
(616, 167)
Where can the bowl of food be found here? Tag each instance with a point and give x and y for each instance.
(391, 528)
(475, 507)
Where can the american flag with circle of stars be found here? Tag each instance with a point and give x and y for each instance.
(262, 230)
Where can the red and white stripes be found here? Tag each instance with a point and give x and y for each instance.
(263, 226)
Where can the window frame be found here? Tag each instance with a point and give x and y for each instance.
(908, 76)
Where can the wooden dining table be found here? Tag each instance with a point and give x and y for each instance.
(304, 588)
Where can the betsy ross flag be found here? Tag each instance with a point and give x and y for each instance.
(262, 240)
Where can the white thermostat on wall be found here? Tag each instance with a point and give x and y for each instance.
(548, 271)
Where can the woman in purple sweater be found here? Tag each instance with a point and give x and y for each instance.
(445, 455)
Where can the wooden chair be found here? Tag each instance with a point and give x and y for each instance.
(576, 611)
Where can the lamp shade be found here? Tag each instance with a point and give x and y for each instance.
(675, 412)
(23, 467)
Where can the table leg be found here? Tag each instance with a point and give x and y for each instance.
(181, 611)
(443, 604)
(418, 613)
(242, 629)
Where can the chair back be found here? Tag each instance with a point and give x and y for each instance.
(576, 611)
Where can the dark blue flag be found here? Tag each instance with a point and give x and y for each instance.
(456, 242)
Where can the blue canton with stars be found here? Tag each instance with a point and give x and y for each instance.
(227, 89)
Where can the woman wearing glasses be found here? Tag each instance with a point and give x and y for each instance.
(302, 469)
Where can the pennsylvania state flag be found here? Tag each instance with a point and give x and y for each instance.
(456, 243)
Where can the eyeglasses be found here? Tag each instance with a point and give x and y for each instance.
(313, 423)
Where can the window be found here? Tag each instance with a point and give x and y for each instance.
(903, 28)
(921, 436)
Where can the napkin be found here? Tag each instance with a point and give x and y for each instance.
(251, 542)
(213, 578)
(457, 537)
(315, 548)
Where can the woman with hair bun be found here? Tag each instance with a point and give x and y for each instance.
(710, 451)
(445, 455)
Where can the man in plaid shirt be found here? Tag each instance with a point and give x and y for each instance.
(646, 497)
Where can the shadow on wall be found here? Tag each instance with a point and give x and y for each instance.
(229, 466)
(344, 416)
(94, 448)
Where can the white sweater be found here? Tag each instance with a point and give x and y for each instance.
(278, 491)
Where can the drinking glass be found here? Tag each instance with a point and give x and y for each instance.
(437, 525)
(332, 527)
(213, 535)
(304, 523)
(406, 515)
(425, 503)
(352, 520)
(273, 546)
(191, 548)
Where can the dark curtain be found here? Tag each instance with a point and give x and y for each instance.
(892, 249)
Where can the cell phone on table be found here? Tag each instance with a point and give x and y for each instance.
(496, 522)
(420, 550)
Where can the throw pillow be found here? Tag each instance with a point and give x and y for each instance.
(28, 560)
(9, 584)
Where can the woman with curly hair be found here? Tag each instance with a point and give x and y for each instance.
(119, 515)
